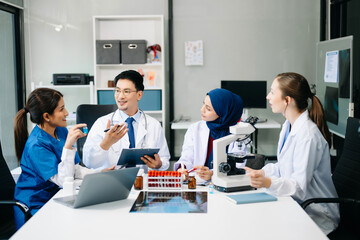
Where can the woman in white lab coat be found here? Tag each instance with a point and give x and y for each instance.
(221, 109)
(303, 168)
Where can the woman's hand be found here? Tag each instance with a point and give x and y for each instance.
(113, 135)
(258, 178)
(108, 169)
(204, 172)
(184, 172)
(74, 134)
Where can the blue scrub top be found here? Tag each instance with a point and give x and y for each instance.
(39, 162)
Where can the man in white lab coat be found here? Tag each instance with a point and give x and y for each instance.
(127, 127)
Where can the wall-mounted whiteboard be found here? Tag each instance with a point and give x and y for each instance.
(334, 81)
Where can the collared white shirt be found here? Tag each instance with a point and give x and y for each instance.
(136, 117)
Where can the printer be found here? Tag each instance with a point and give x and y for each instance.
(71, 78)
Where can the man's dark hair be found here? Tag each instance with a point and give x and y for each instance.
(133, 76)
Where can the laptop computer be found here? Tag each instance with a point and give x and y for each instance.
(102, 187)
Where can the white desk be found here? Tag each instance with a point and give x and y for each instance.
(283, 219)
(181, 125)
(269, 124)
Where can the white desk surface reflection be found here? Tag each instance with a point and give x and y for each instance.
(282, 219)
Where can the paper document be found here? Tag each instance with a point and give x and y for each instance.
(331, 73)
(194, 53)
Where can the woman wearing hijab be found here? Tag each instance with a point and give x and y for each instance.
(221, 109)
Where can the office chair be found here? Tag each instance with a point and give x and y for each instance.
(7, 188)
(346, 179)
(89, 113)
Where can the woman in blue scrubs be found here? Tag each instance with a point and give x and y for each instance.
(47, 155)
(221, 109)
(303, 167)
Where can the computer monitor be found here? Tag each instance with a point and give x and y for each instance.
(253, 93)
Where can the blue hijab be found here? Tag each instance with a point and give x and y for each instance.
(229, 107)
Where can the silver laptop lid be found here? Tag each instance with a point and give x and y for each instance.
(106, 187)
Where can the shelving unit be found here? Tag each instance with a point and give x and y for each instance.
(132, 27)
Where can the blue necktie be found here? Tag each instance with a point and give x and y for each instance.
(131, 132)
(129, 121)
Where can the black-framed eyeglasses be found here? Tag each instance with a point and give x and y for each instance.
(126, 92)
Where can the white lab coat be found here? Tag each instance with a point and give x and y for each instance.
(195, 146)
(303, 171)
(68, 168)
(150, 135)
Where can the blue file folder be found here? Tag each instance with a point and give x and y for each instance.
(251, 198)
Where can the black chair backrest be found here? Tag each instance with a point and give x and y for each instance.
(89, 113)
(7, 187)
(346, 175)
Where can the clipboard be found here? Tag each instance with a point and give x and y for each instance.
(132, 156)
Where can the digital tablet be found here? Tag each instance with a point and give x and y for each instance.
(132, 156)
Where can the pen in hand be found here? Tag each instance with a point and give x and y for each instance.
(119, 126)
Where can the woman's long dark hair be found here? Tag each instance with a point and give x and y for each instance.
(296, 86)
(40, 101)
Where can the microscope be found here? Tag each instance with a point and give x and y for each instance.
(226, 177)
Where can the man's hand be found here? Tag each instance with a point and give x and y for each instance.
(113, 135)
(154, 163)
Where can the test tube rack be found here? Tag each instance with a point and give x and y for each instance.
(164, 180)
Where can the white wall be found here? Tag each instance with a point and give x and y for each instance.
(243, 40)
(71, 49)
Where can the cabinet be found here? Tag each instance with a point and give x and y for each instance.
(135, 27)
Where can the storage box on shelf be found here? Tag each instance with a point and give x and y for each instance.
(134, 34)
